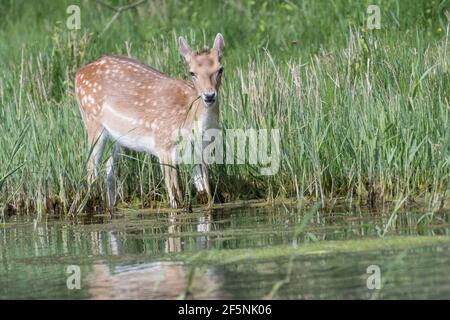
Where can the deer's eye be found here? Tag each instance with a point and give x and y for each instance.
(192, 74)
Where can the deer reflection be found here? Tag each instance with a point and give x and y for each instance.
(177, 233)
(177, 222)
(173, 243)
(160, 280)
(204, 226)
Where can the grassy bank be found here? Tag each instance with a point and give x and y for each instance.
(363, 114)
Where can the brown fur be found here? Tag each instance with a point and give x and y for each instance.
(141, 106)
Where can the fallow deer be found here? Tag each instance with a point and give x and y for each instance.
(139, 107)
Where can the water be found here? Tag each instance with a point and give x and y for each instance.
(248, 253)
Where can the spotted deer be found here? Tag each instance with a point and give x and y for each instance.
(139, 107)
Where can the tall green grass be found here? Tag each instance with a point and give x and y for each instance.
(363, 114)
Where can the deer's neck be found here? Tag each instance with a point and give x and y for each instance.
(206, 117)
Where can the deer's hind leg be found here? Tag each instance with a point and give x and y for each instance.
(97, 138)
(110, 177)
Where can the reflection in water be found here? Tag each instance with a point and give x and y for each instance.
(176, 221)
(173, 242)
(203, 226)
(115, 243)
(158, 280)
(153, 255)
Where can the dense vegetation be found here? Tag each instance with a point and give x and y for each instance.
(363, 114)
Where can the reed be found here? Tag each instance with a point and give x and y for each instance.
(363, 114)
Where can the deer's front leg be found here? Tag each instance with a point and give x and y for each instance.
(201, 182)
(171, 181)
(205, 176)
(169, 185)
(176, 185)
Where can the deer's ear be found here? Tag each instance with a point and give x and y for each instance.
(184, 48)
(219, 44)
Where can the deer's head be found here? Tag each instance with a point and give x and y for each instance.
(205, 68)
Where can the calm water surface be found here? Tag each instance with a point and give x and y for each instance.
(235, 253)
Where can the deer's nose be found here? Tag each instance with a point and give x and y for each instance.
(209, 96)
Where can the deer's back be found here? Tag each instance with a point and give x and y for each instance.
(126, 83)
(128, 97)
